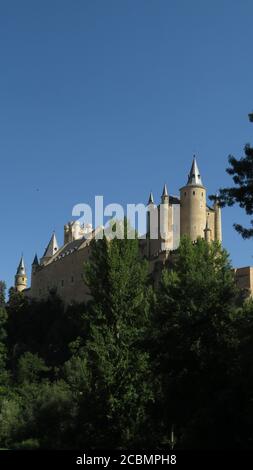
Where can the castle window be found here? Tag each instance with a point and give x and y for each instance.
(62, 283)
(193, 192)
(72, 278)
(202, 194)
(185, 193)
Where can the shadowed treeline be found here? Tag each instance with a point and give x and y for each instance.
(134, 363)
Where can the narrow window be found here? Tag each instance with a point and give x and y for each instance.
(62, 283)
(193, 192)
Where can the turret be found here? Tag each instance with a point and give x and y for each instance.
(165, 195)
(193, 205)
(50, 250)
(150, 207)
(207, 232)
(35, 269)
(217, 220)
(152, 225)
(151, 199)
(35, 264)
(164, 219)
(21, 277)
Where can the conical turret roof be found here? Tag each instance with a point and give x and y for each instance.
(151, 198)
(21, 267)
(51, 248)
(194, 178)
(35, 261)
(165, 191)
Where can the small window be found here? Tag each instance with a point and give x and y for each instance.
(72, 279)
(185, 193)
(202, 194)
(193, 192)
(62, 283)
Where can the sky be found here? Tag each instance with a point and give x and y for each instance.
(113, 98)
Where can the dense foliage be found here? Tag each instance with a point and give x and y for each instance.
(134, 362)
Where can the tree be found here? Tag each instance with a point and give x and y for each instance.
(118, 315)
(3, 339)
(242, 193)
(193, 340)
(41, 327)
(31, 368)
(243, 383)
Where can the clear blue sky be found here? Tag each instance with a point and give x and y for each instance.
(113, 98)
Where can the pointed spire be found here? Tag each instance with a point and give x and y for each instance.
(165, 191)
(51, 248)
(35, 261)
(21, 267)
(194, 178)
(151, 198)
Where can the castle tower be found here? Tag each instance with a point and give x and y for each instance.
(50, 250)
(193, 205)
(21, 277)
(217, 221)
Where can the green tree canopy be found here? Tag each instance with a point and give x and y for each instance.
(193, 340)
(118, 317)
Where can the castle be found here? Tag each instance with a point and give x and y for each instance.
(61, 268)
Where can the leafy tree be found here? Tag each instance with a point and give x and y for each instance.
(31, 368)
(243, 383)
(42, 327)
(53, 416)
(3, 339)
(118, 315)
(38, 415)
(242, 191)
(10, 412)
(193, 343)
(2, 294)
